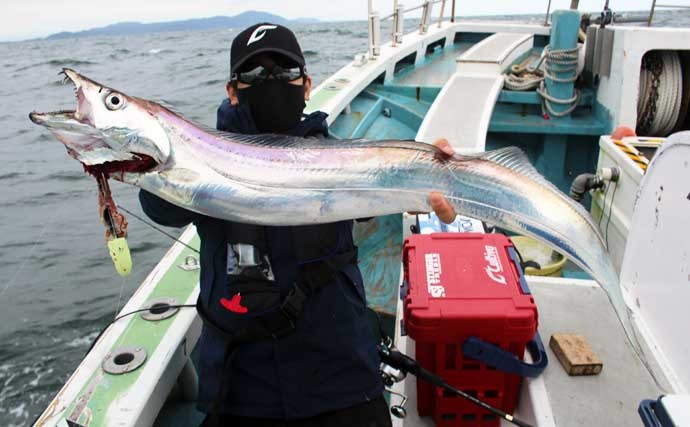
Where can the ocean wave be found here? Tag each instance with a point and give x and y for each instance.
(11, 175)
(157, 51)
(143, 247)
(65, 62)
(16, 245)
(26, 387)
(66, 176)
(214, 82)
(118, 53)
(68, 61)
(310, 53)
(83, 341)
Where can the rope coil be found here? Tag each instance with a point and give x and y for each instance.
(557, 65)
(560, 67)
(661, 93)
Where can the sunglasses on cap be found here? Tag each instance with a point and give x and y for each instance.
(260, 73)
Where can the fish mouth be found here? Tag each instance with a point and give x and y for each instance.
(67, 124)
(48, 119)
(140, 163)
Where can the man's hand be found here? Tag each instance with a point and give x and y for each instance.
(438, 203)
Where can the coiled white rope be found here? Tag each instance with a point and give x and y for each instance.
(522, 78)
(661, 92)
(524, 81)
(561, 67)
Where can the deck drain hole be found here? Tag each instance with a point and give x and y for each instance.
(123, 359)
(159, 309)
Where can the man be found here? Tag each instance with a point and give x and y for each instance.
(286, 339)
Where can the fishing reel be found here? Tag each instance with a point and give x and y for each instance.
(391, 376)
(397, 361)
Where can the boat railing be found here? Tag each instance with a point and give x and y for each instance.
(399, 11)
(398, 18)
(666, 6)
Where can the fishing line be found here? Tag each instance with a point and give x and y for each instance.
(608, 220)
(119, 299)
(26, 259)
(157, 228)
(46, 224)
(603, 206)
(105, 328)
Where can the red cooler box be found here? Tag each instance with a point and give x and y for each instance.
(471, 315)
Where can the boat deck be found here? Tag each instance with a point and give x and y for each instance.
(566, 306)
(436, 69)
(555, 398)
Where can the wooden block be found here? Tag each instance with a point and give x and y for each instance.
(575, 354)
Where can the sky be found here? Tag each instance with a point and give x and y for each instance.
(22, 19)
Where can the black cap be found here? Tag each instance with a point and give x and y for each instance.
(264, 37)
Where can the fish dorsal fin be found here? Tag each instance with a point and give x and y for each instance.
(517, 161)
(260, 140)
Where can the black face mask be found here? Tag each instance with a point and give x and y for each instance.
(276, 106)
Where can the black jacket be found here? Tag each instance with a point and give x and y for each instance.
(330, 361)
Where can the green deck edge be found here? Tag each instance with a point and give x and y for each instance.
(175, 283)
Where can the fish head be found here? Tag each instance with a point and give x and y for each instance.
(109, 131)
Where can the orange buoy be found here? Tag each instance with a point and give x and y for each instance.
(621, 132)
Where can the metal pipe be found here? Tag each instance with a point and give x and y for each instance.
(370, 30)
(651, 13)
(422, 5)
(546, 18)
(398, 30)
(440, 15)
(620, 19)
(414, 8)
(375, 35)
(426, 8)
(452, 12)
(395, 21)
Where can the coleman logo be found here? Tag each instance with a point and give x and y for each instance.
(259, 33)
(433, 275)
(494, 269)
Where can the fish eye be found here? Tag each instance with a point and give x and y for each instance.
(114, 101)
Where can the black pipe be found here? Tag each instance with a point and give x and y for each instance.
(582, 184)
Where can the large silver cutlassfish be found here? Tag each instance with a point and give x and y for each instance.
(282, 180)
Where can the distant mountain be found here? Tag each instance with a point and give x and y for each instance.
(239, 21)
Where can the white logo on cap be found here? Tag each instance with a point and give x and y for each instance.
(259, 33)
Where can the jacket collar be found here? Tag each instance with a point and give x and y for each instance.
(238, 119)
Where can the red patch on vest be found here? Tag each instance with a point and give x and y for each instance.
(234, 304)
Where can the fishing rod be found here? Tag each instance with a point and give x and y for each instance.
(392, 357)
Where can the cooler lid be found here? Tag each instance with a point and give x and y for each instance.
(656, 265)
(455, 266)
